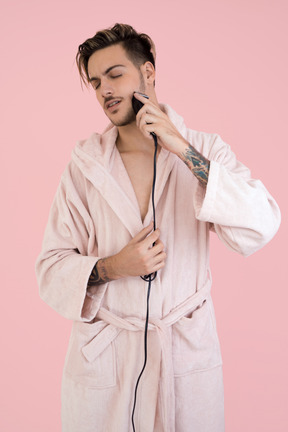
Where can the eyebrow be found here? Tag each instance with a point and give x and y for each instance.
(106, 72)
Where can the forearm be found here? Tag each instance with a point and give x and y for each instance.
(102, 272)
(197, 163)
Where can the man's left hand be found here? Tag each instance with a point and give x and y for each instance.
(150, 118)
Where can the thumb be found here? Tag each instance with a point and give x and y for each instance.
(143, 233)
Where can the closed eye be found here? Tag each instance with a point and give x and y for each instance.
(116, 76)
(96, 86)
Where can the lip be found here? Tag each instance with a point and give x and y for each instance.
(113, 106)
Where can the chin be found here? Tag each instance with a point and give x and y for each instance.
(126, 120)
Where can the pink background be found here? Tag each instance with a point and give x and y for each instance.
(223, 66)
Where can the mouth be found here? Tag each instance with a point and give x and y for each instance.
(112, 105)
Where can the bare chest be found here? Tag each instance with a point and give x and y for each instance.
(140, 172)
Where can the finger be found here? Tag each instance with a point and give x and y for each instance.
(151, 239)
(158, 266)
(150, 108)
(146, 119)
(160, 258)
(141, 96)
(146, 123)
(147, 131)
(143, 233)
(157, 248)
(140, 116)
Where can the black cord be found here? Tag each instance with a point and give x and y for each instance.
(148, 278)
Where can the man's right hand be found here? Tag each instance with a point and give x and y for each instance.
(138, 258)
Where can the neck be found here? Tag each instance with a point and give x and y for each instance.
(131, 139)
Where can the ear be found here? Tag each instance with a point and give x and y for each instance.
(148, 72)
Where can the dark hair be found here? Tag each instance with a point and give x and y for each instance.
(138, 46)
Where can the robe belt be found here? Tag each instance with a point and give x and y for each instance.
(116, 324)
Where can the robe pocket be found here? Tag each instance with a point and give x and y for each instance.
(195, 342)
(91, 359)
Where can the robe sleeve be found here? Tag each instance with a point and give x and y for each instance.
(243, 213)
(68, 256)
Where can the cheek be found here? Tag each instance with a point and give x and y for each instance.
(129, 85)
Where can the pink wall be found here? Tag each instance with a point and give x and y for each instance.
(230, 59)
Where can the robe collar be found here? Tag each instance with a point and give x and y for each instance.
(95, 157)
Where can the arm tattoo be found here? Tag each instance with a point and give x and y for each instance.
(99, 274)
(197, 163)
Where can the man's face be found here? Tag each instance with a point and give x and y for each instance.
(115, 78)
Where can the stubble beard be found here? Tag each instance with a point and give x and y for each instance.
(130, 116)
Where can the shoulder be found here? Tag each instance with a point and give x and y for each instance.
(209, 144)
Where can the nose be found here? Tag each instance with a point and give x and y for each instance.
(106, 88)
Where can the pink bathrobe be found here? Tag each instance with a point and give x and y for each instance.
(95, 213)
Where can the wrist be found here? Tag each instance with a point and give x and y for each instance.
(182, 147)
(110, 267)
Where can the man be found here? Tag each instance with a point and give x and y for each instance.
(100, 239)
